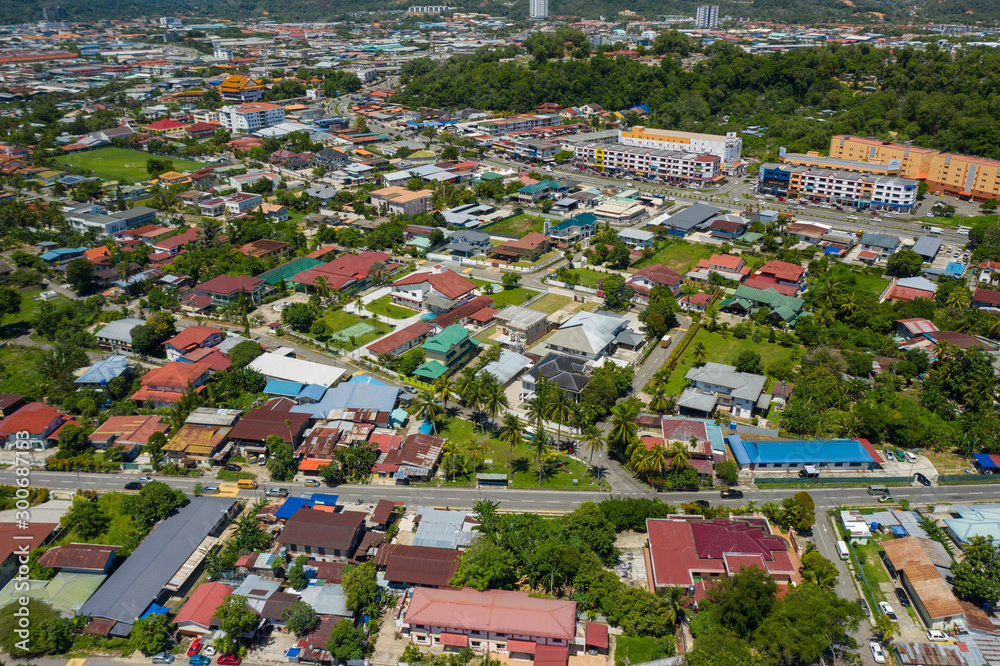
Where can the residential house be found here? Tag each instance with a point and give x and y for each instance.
(655, 275)
(401, 341)
(782, 272)
(519, 328)
(577, 228)
(80, 558)
(469, 243)
(416, 566)
(986, 299)
(568, 373)
(36, 423)
(437, 291)
(543, 189)
(750, 300)
(226, 289)
(718, 385)
(196, 443)
(879, 247)
(729, 266)
(347, 272)
(401, 201)
(249, 435)
(529, 248)
(191, 338)
(728, 227)
(265, 248)
(10, 403)
(117, 335)
(916, 572)
(589, 335)
(273, 212)
(416, 458)
(322, 535)
(163, 386)
(331, 158)
(195, 618)
(445, 352)
(908, 289)
(127, 432)
(100, 373)
(638, 239)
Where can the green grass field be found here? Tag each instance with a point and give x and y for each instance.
(518, 225)
(589, 277)
(504, 297)
(12, 326)
(726, 350)
(678, 254)
(551, 303)
(636, 649)
(125, 166)
(484, 336)
(384, 307)
(338, 320)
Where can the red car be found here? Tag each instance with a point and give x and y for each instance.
(229, 660)
(195, 647)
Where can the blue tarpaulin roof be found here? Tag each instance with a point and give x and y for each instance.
(324, 499)
(986, 461)
(898, 530)
(426, 428)
(290, 506)
(282, 387)
(154, 609)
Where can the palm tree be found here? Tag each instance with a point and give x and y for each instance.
(494, 399)
(476, 450)
(658, 403)
(698, 352)
(445, 387)
(359, 305)
(472, 395)
(322, 286)
(623, 427)
(657, 457)
(378, 272)
(826, 292)
(510, 433)
(593, 441)
(560, 408)
(679, 456)
(537, 409)
(712, 315)
(451, 450)
(958, 298)
(993, 328)
(885, 627)
(824, 577)
(848, 304)
(541, 448)
(427, 408)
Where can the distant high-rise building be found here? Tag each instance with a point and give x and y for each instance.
(538, 9)
(707, 17)
(53, 14)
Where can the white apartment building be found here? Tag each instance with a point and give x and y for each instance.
(729, 147)
(538, 9)
(671, 165)
(248, 118)
(707, 17)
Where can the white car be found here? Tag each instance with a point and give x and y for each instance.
(887, 609)
(209, 650)
(877, 653)
(145, 479)
(937, 636)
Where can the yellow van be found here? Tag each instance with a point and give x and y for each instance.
(246, 484)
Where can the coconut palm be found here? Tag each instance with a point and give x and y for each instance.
(511, 434)
(679, 456)
(426, 407)
(712, 317)
(698, 352)
(451, 452)
(445, 387)
(322, 287)
(359, 305)
(542, 446)
(537, 409)
(593, 441)
(958, 298)
(560, 409)
(848, 304)
(657, 458)
(476, 449)
(378, 272)
(824, 577)
(623, 427)
(827, 292)
(885, 627)
(658, 403)
(993, 327)
(472, 396)
(494, 399)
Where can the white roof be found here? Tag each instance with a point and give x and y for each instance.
(274, 365)
(589, 332)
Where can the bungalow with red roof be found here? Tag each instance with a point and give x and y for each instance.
(695, 302)
(986, 299)
(908, 289)
(36, 423)
(225, 289)
(195, 616)
(162, 387)
(529, 248)
(695, 552)
(656, 275)
(191, 338)
(437, 290)
(728, 266)
(175, 244)
(167, 127)
(783, 272)
(348, 271)
(989, 271)
(201, 130)
(401, 341)
(127, 432)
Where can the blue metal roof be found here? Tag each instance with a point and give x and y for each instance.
(282, 387)
(798, 451)
(367, 380)
(312, 392)
(985, 461)
(103, 371)
(290, 506)
(324, 499)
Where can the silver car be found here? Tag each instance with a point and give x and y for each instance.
(163, 658)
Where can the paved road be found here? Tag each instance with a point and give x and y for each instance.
(524, 499)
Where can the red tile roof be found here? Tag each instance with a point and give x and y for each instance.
(658, 274)
(986, 296)
(782, 270)
(343, 270)
(899, 293)
(176, 374)
(463, 311)
(495, 611)
(229, 284)
(418, 565)
(761, 283)
(400, 337)
(33, 418)
(193, 335)
(201, 606)
(14, 539)
(128, 429)
(448, 282)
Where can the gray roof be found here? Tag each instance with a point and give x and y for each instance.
(352, 395)
(471, 237)
(927, 247)
(589, 332)
(257, 590)
(507, 366)
(519, 317)
(691, 217)
(120, 330)
(103, 371)
(138, 582)
(879, 240)
(442, 529)
(326, 599)
(630, 338)
(133, 213)
(696, 400)
(742, 385)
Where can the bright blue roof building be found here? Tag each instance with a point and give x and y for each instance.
(828, 454)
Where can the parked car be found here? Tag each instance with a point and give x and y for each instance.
(312, 482)
(904, 600)
(702, 503)
(887, 609)
(145, 479)
(864, 606)
(210, 490)
(877, 653)
(232, 467)
(731, 494)
(199, 660)
(163, 658)
(921, 479)
(195, 647)
(133, 485)
(262, 461)
(277, 492)
(900, 456)
(229, 660)
(209, 650)
(937, 636)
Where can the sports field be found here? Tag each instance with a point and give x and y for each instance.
(125, 166)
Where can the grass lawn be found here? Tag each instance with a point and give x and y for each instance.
(18, 324)
(947, 463)
(338, 320)
(524, 470)
(517, 226)
(551, 303)
(636, 649)
(589, 277)
(485, 336)
(721, 349)
(126, 166)
(516, 296)
(677, 254)
(384, 307)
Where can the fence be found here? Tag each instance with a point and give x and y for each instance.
(835, 480)
(751, 430)
(968, 478)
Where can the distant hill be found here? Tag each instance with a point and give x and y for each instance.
(791, 11)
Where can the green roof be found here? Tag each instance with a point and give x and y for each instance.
(66, 592)
(431, 370)
(750, 237)
(288, 271)
(490, 175)
(769, 297)
(540, 186)
(446, 339)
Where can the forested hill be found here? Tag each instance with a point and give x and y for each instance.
(930, 97)
(802, 12)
